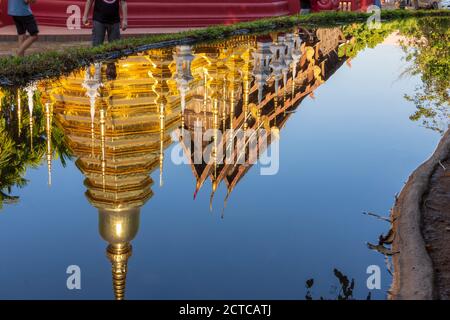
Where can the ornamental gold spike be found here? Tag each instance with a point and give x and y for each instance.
(162, 125)
(213, 192)
(48, 124)
(205, 92)
(30, 93)
(103, 144)
(2, 95)
(224, 105)
(92, 111)
(216, 132)
(118, 255)
(19, 111)
(246, 99)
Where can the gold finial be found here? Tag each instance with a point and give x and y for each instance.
(310, 53)
(246, 99)
(274, 127)
(277, 86)
(323, 68)
(92, 83)
(211, 198)
(19, 111)
(274, 36)
(183, 60)
(231, 132)
(92, 110)
(162, 124)
(103, 144)
(225, 202)
(118, 255)
(216, 133)
(198, 185)
(30, 93)
(119, 227)
(205, 94)
(2, 95)
(232, 107)
(183, 107)
(224, 106)
(255, 112)
(294, 75)
(48, 124)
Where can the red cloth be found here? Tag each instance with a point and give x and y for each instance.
(173, 13)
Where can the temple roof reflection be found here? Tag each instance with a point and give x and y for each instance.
(118, 116)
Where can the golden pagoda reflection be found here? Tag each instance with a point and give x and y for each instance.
(117, 117)
(285, 68)
(119, 149)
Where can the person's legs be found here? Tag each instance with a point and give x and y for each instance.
(113, 32)
(30, 25)
(98, 33)
(26, 44)
(21, 30)
(22, 38)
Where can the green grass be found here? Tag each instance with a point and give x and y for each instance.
(18, 71)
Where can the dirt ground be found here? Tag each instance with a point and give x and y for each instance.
(436, 227)
(8, 48)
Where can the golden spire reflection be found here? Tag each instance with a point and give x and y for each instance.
(2, 95)
(119, 255)
(135, 117)
(92, 84)
(119, 228)
(48, 130)
(234, 86)
(19, 111)
(284, 71)
(162, 126)
(30, 94)
(103, 145)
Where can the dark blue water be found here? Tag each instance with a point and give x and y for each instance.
(348, 150)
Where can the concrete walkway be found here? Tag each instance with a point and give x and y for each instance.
(54, 38)
(8, 48)
(8, 33)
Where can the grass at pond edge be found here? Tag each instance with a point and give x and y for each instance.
(17, 71)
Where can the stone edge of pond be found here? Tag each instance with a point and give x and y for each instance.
(413, 276)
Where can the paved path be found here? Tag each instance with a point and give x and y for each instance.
(8, 47)
(8, 33)
(54, 38)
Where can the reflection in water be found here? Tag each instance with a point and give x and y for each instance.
(118, 129)
(428, 48)
(25, 139)
(343, 292)
(117, 117)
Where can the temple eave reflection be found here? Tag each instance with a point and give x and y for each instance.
(118, 116)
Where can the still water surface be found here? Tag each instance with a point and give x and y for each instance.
(346, 146)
